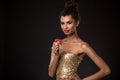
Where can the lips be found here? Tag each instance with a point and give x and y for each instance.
(66, 31)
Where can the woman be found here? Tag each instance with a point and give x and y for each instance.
(67, 53)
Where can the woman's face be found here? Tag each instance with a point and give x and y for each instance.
(68, 24)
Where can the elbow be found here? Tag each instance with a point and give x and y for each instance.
(107, 71)
(50, 73)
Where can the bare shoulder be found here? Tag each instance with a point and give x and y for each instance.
(83, 44)
(87, 48)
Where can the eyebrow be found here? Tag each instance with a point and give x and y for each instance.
(66, 21)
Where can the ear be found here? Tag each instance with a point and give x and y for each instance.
(78, 23)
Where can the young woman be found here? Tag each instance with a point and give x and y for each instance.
(67, 53)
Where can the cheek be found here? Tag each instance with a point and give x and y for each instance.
(61, 27)
(71, 27)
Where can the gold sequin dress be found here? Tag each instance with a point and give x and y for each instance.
(68, 65)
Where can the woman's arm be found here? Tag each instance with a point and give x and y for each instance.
(54, 60)
(104, 68)
(53, 66)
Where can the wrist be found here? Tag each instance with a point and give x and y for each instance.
(56, 56)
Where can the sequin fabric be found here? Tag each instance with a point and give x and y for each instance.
(68, 65)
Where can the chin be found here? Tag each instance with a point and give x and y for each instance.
(67, 34)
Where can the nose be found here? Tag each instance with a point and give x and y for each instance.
(65, 26)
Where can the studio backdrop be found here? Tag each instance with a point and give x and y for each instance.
(30, 26)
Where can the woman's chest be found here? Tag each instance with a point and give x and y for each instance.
(74, 48)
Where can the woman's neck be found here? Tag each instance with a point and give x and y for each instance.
(73, 37)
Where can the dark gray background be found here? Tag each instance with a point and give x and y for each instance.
(28, 28)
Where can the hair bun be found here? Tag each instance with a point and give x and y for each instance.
(71, 4)
(71, 7)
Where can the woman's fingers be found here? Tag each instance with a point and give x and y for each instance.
(55, 48)
(75, 77)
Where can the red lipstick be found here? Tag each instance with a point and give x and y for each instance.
(66, 31)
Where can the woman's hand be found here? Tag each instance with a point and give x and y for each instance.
(55, 47)
(75, 77)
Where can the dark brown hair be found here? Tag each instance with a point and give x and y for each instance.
(71, 8)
